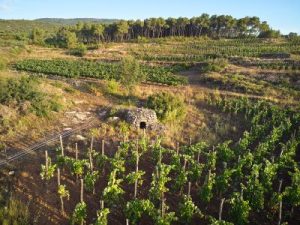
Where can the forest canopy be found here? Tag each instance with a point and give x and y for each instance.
(215, 26)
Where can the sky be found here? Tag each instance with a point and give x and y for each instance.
(283, 15)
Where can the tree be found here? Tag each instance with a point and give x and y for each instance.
(292, 35)
(214, 26)
(168, 107)
(130, 73)
(97, 32)
(71, 40)
(37, 36)
(121, 30)
(269, 34)
(202, 23)
(66, 38)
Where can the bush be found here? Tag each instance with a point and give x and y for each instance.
(18, 90)
(130, 73)
(24, 92)
(14, 213)
(112, 87)
(215, 65)
(269, 34)
(80, 50)
(168, 107)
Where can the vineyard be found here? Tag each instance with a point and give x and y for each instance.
(153, 121)
(196, 50)
(255, 180)
(106, 71)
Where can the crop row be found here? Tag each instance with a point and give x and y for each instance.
(100, 70)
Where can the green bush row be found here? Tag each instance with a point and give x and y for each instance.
(101, 70)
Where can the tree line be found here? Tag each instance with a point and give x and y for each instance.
(223, 26)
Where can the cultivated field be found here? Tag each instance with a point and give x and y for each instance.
(227, 150)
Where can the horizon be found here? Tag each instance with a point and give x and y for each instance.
(280, 15)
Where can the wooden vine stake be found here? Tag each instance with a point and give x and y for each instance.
(47, 169)
(76, 151)
(90, 155)
(189, 189)
(102, 148)
(183, 169)
(81, 195)
(101, 204)
(221, 208)
(76, 158)
(46, 162)
(280, 203)
(61, 198)
(136, 169)
(160, 157)
(127, 221)
(81, 190)
(61, 146)
(163, 208)
(92, 142)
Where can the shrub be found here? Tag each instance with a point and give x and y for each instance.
(14, 213)
(17, 90)
(24, 92)
(167, 106)
(130, 73)
(80, 50)
(112, 87)
(215, 65)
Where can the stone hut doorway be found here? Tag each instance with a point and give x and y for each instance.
(143, 125)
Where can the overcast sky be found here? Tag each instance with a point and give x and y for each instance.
(280, 14)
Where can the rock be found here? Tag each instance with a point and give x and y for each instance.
(113, 119)
(72, 112)
(76, 102)
(78, 115)
(11, 173)
(80, 137)
(81, 116)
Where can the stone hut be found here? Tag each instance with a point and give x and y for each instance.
(142, 118)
